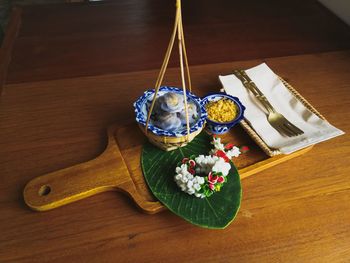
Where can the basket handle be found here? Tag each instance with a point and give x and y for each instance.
(178, 29)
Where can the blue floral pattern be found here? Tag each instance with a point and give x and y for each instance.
(142, 105)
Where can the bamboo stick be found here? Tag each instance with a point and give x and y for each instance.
(164, 66)
(178, 29)
(182, 70)
(185, 57)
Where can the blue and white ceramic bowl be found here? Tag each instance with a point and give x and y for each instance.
(223, 127)
(143, 103)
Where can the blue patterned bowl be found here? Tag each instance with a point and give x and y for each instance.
(143, 103)
(223, 127)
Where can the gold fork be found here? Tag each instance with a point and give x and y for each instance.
(277, 120)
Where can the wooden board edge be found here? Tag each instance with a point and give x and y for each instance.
(270, 162)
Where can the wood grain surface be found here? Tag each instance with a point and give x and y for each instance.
(107, 172)
(7, 44)
(298, 211)
(61, 41)
(118, 168)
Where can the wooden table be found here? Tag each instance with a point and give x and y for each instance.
(298, 211)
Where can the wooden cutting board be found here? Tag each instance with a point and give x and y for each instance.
(118, 168)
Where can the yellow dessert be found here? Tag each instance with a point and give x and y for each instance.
(223, 110)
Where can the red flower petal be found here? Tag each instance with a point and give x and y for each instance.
(192, 163)
(184, 160)
(191, 171)
(244, 149)
(210, 176)
(211, 187)
(226, 158)
(220, 153)
(223, 155)
(221, 179)
(229, 146)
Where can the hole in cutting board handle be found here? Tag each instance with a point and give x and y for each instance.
(44, 190)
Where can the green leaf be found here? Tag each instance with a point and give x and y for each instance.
(216, 211)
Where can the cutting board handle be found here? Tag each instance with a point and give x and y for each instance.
(105, 173)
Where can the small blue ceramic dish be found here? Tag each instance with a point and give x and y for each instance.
(223, 127)
(143, 103)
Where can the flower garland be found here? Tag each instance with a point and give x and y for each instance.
(204, 175)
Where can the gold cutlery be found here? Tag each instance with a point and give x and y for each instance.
(277, 120)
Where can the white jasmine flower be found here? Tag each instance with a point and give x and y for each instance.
(217, 144)
(199, 195)
(190, 191)
(197, 187)
(189, 176)
(234, 152)
(177, 177)
(206, 163)
(182, 186)
(189, 184)
(221, 166)
(200, 180)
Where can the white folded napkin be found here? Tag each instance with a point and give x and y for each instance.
(315, 129)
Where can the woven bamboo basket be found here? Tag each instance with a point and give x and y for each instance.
(169, 143)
